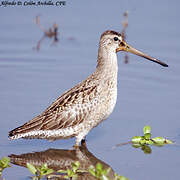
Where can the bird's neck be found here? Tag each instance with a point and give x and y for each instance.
(107, 62)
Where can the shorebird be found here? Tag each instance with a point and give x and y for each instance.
(88, 103)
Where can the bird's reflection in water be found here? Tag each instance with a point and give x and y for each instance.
(57, 159)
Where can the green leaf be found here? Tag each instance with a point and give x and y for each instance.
(4, 162)
(117, 177)
(104, 172)
(99, 166)
(44, 166)
(142, 141)
(69, 172)
(159, 140)
(77, 163)
(62, 171)
(168, 141)
(146, 149)
(43, 170)
(66, 177)
(147, 129)
(104, 177)
(150, 142)
(92, 170)
(31, 168)
(49, 171)
(81, 171)
(147, 136)
(136, 145)
(123, 178)
(99, 172)
(75, 166)
(136, 139)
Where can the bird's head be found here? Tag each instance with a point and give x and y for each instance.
(114, 41)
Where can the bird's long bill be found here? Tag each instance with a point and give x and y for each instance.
(125, 47)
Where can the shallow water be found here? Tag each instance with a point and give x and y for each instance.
(147, 94)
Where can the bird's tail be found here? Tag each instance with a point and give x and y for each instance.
(24, 130)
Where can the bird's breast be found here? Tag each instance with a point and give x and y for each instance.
(108, 97)
(111, 100)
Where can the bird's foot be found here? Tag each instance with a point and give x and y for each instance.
(79, 143)
(83, 142)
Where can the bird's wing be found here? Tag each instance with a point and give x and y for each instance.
(70, 109)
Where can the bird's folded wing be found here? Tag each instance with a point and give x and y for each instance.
(68, 110)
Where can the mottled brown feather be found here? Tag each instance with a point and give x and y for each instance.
(56, 116)
(84, 106)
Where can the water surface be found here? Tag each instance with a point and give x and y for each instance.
(147, 92)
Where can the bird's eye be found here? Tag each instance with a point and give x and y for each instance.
(116, 38)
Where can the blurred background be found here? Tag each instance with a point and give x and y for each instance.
(148, 94)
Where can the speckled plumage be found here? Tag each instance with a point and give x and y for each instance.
(84, 106)
(87, 104)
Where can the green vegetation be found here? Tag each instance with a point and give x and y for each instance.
(117, 177)
(97, 171)
(146, 139)
(143, 141)
(39, 172)
(73, 172)
(102, 174)
(4, 163)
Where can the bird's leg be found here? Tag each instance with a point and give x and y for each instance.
(77, 144)
(83, 142)
(80, 140)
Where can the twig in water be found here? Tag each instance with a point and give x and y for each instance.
(50, 33)
(123, 33)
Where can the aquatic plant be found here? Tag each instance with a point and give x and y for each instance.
(143, 142)
(102, 174)
(99, 172)
(118, 177)
(73, 172)
(39, 172)
(4, 163)
(147, 140)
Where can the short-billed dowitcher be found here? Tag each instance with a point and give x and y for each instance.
(87, 104)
